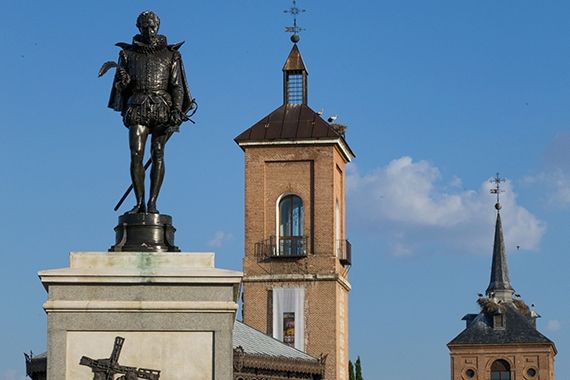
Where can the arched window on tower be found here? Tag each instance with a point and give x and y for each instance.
(500, 370)
(291, 222)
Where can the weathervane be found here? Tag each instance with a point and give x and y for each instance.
(295, 29)
(497, 189)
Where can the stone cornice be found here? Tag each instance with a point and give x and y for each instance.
(339, 142)
(299, 277)
(58, 306)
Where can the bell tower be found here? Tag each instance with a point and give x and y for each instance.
(297, 256)
(501, 342)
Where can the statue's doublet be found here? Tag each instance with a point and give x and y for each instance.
(155, 71)
(149, 71)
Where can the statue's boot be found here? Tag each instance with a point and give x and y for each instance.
(138, 209)
(151, 207)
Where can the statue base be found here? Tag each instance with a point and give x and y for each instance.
(144, 233)
(175, 311)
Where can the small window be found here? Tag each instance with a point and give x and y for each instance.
(500, 370)
(470, 373)
(531, 372)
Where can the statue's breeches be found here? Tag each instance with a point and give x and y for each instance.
(149, 113)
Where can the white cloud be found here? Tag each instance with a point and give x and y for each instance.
(220, 237)
(11, 374)
(408, 205)
(557, 184)
(554, 178)
(553, 325)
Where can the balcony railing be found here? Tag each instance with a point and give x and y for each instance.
(284, 247)
(344, 252)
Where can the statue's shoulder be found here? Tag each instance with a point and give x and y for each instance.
(124, 45)
(175, 47)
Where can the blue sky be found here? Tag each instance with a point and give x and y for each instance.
(438, 96)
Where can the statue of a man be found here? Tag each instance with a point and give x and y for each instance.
(151, 92)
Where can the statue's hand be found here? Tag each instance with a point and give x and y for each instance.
(123, 77)
(176, 117)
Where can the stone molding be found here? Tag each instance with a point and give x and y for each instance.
(299, 277)
(140, 306)
(140, 268)
(339, 142)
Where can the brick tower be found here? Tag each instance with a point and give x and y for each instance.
(295, 285)
(501, 342)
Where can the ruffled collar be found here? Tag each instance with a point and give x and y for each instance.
(141, 46)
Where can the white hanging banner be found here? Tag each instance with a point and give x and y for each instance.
(289, 316)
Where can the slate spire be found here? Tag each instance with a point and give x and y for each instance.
(500, 284)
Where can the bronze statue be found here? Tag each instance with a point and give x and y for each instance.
(151, 92)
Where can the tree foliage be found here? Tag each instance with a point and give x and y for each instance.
(358, 370)
(350, 371)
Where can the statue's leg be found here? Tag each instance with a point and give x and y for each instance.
(137, 140)
(157, 171)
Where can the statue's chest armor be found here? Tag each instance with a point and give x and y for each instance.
(151, 71)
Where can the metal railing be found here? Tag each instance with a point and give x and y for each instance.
(344, 252)
(284, 247)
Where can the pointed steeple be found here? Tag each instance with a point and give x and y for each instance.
(295, 78)
(500, 284)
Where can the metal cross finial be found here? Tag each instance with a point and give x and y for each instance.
(295, 29)
(497, 190)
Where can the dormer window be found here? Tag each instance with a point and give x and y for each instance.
(499, 321)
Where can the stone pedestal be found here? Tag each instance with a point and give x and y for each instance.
(174, 311)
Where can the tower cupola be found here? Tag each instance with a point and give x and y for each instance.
(294, 78)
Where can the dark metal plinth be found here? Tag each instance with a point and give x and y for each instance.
(144, 233)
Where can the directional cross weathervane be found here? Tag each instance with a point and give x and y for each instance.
(497, 189)
(295, 29)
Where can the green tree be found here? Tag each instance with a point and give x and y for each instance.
(350, 371)
(358, 370)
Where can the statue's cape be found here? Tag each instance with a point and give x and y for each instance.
(118, 99)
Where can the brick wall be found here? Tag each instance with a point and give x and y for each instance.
(520, 357)
(316, 174)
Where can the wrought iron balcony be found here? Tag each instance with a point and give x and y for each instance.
(344, 252)
(284, 247)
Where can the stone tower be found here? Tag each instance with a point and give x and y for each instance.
(296, 261)
(501, 342)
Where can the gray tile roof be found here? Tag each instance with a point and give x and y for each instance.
(257, 343)
(518, 330)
